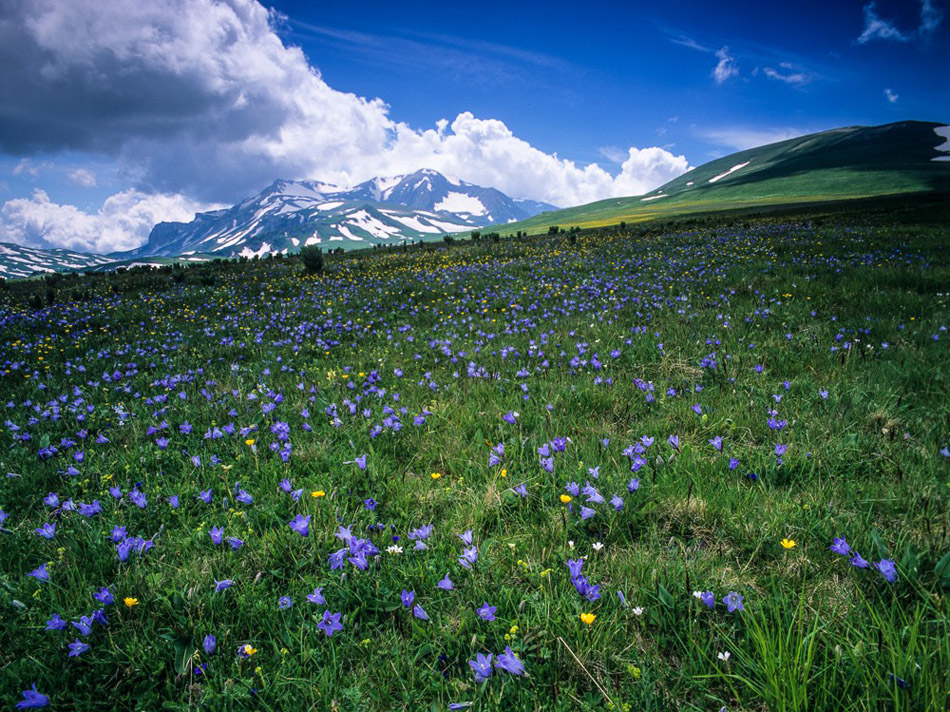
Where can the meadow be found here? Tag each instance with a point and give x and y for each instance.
(696, 468)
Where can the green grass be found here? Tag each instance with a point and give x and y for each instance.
(853, 304)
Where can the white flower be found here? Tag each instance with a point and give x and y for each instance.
(394, 549)
(638, 611)
(724, 656)
(570, 543)
(697, 594)
(597, 546)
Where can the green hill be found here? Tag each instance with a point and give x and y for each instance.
(841, 164)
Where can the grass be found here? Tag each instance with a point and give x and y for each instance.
(824, 336)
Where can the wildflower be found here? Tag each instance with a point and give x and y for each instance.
(716, 442)
(707, 597)
(246, 651)
(222, 585)
(361, 462)
(597, 546)
(316, 494)
(419, 612)
(565, 498)
(733, 601)
(407, 597)
(617, 502)
(633, 485)
(481, 665)
(788, 543)
(840, 546)
(588, 618)
(32, 699)
(858, 561)
(217, 535)
(486, 612)
(637, 610)
(724, 656)
(469, 557)
(47, 531)
(435, 475)
(55, 623)
(83, 625)
(887, 569)
(210, 644)
(446, 584)
(674, 441)
(521, 490)
(330, 623)
(301, 524)
(284, 602)
(508, 662)
(587, 512)
(129, 601)
(77, 647)
(317, 596)
(40, 573)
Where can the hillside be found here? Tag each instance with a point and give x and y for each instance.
(841, 164)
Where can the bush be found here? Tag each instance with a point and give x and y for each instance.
(312, 257)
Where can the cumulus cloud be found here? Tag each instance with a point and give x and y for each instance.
(80, 176)
(202, 98)
(726, 67)
(122, 223)
(891, 96)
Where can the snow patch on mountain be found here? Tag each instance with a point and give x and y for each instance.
(461, 203)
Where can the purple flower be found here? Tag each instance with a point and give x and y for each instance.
(330, 623)
(221, 585)
(887, 569)
(486, 612)
(83, 625)
(301, 524)
(47, 531)
(716, 442)
(468, 557)
(521, 490)
(361, 462)
(446, 584)
(407, 597)
(40, 573)
(466, 537)
(284, 602)
(509, 663)
(510, 417)
(858, 561)
(210, 644)
(56, 623)
(482, 667)
(780, 449)
(617, 502)
(733, 463)
(51, 500)
(32, 699)
(77, 648)
(205, 496)
(708, 598)
(104, 596)
(317, 596)
(840, 546)
(587, 512)
(173, 501)
(420, 613)
(733, 601)
(370, 504)
(244, 497)
(674, 441)
(235, 542)
(633, 485)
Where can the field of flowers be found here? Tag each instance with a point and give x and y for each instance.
(619, 471)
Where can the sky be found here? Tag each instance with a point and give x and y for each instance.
(118, 114)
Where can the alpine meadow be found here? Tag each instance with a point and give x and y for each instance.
(627, 389)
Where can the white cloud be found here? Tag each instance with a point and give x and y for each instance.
(891, 96)
(726, 67)
(788, 74)
(26, 167)
(84, 178)
(877, 28)
(202, 98)
(122, 223)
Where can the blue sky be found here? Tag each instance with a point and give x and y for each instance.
(116, 115)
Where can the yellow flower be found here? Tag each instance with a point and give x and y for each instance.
(565, 498)
(316, 494)
(588, 618)
(248, 650)
(435, 475)
(788, 543)
(504, 472)
(131, 601)
(249, 442)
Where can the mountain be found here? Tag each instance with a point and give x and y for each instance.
(288, 214)
(17, 261)
(909, 157)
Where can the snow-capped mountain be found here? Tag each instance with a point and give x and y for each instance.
(290, 214)
(17, 261)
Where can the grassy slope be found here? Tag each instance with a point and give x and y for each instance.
(812, 305)
(842, 164)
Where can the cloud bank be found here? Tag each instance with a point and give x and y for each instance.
(202, 98)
